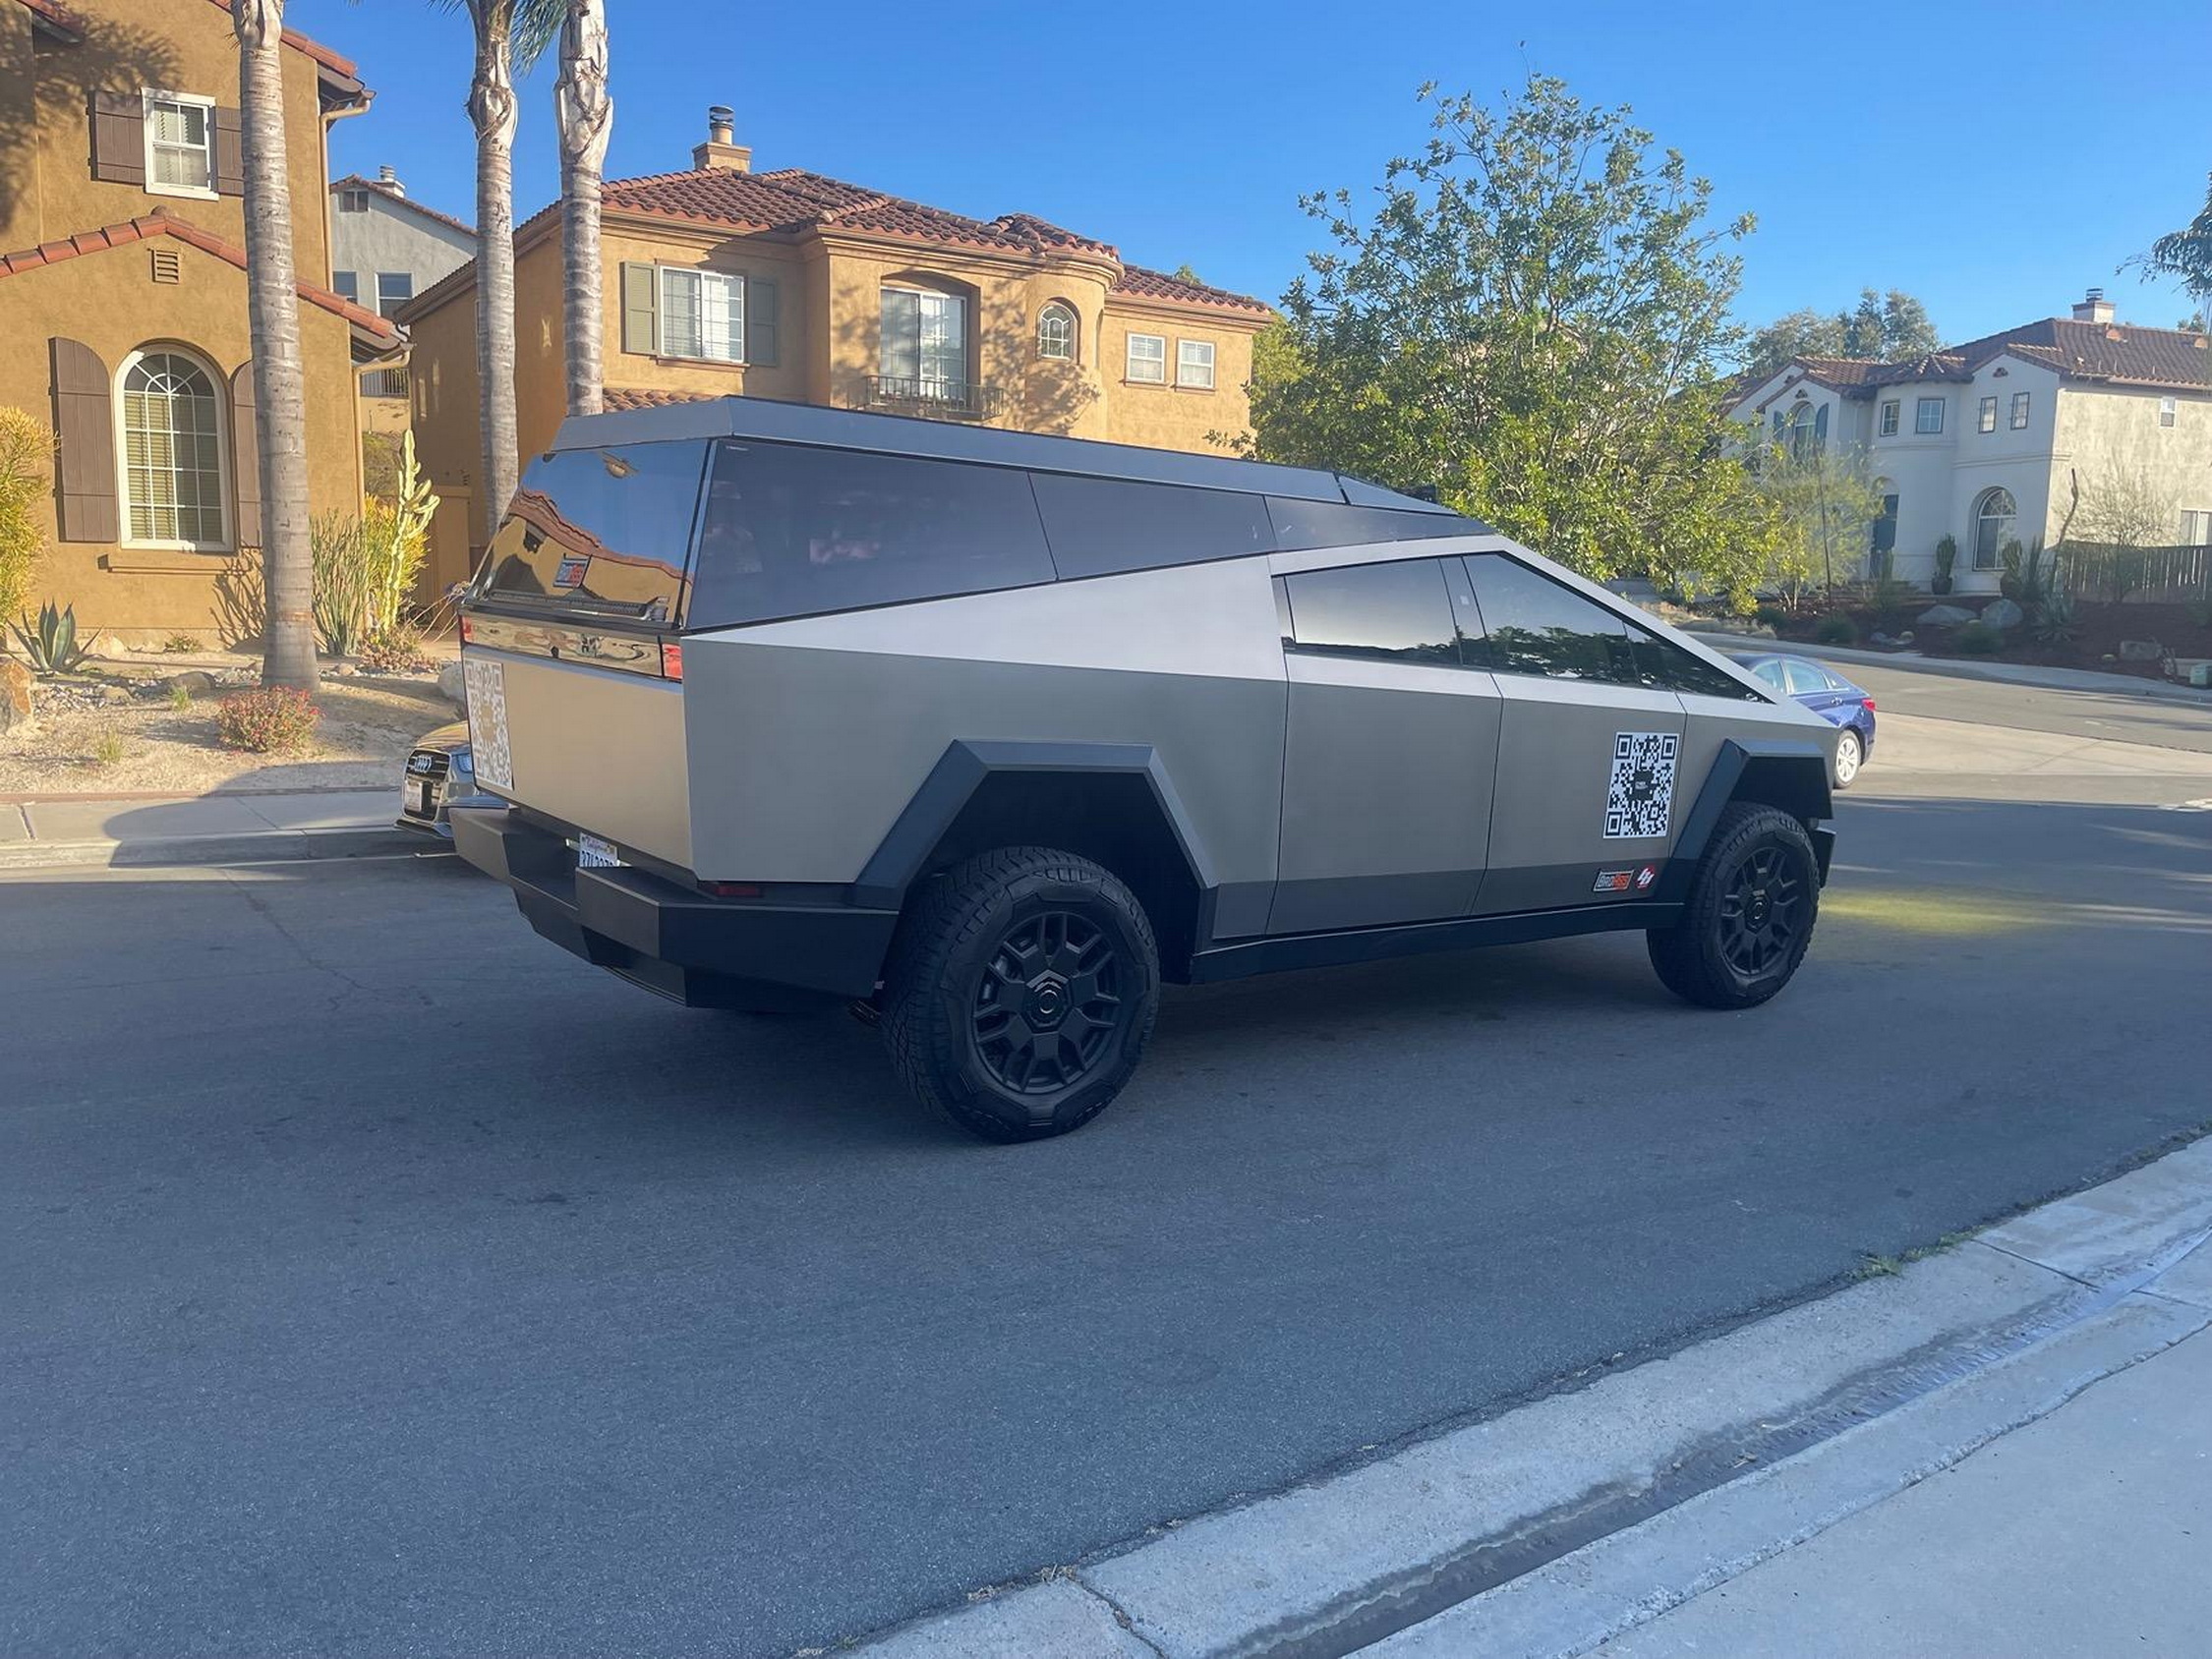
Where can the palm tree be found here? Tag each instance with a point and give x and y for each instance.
(279, 382)
(587, 118)
(509, 35)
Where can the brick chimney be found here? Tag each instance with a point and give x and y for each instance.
(2093, 307)
(721, 148)
(389, 180)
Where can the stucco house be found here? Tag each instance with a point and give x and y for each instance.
(123, 310)
(787, 284)
(1984, 441)
(386, 248)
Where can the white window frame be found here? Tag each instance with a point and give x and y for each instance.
(1059, 308)
(153, 95)
(1187, 368)
(1893, 416)
(346, 284)
(1984, 418)
(735, 282)
(224, 484)
(2166, 408)
(354, 200)
(1155, 365)
(2196, 525)
(1920, 409)
(2020, 408)
(406, 276)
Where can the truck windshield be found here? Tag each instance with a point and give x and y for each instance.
(605, 532)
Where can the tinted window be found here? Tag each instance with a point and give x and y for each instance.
(1097, 525)
(1769, 673)
(1333, 524)
(603, 531)
(1395, 612)
(790, 530)
(1665, 664)
(1803, 678)
(1538, 627)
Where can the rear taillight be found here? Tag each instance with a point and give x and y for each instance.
(1869, 702)
(672, 659)
(468, 630)
(731, 890)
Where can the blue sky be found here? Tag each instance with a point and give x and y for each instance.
(1993, 158)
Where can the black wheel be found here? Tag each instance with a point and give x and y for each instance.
(1020, 992)
(1749, 916)
(1850, 755)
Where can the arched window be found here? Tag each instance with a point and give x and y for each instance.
(1805, 434)
(1056, 332)
(175, 486)
(1995, 516)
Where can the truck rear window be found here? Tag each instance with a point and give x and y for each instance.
(601, 531)
(792, 531)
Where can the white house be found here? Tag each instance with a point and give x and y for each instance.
(386, 247)
(1983, 441)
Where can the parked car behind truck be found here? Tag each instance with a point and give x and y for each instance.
(993, 732)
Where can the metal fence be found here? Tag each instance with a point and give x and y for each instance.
(384, 382)
(907, 395)
(2093, 570)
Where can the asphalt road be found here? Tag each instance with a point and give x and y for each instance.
(377, 1279)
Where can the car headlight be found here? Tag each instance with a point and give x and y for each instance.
(463, 764)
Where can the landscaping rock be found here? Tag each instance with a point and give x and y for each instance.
(451, 683)
(197, 682)
(1946, 616)
(109, 645)
(16, 711)
(2140, 650)
(2003, 614)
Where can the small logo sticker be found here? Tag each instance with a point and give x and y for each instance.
(573, 570)
(1613, 881)
(1646, 877)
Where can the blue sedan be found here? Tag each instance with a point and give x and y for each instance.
(1829, 695)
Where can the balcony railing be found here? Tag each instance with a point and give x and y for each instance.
(944, 400)
(384, 382)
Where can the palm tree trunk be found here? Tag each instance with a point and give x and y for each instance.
(279, 380)
(492, 111)
(587, 119)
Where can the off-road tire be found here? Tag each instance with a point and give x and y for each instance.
(955, 930)
(1693, 957)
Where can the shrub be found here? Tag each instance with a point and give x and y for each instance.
(1890, 598)
(341, 582)
(107, 749)
(180, 696)
(270, 719)
(178, 643)
(1978, 639)
(1772, 616)
(397, 650)
(1837, 630)
(53, 642)
(25, 445)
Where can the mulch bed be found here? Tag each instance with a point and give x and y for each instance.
(2096, 647)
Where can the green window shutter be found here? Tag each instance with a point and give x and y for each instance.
(638, 295)
(85, 449)
(761, 333)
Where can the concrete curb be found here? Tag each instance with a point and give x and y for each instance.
(1553, 1527)
(259, 847)
(2001, 673)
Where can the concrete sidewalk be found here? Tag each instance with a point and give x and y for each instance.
(1965, 669)
(218, 829)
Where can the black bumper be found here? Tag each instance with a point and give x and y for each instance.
(696, 949)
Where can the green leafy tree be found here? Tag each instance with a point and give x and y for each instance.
(1883, 327)
(2187, 254)
(1531, 321)
(1824, 505)
(1801, 333)
(27, 448)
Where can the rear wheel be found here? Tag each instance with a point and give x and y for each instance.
(1021, 993)
(1750, 913)
(1850, 755)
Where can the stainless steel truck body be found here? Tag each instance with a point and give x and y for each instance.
(988, 733)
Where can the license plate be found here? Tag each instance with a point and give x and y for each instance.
(486, 682)
(592, 853)
(417, 797)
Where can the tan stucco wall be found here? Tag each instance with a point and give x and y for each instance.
(48, 191)
(1172, 417)
(2102, 432)
(110, 303)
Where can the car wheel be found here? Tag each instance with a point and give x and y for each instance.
(1020, 992)
(1850, 755)
(1749, 916)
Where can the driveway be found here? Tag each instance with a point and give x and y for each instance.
(378, 1279)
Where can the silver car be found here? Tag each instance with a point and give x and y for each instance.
(991, 734)
(439, 774)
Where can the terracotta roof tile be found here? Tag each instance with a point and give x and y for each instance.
(616, 398)
(161, 223)
(2117, 354)
(1154, 285)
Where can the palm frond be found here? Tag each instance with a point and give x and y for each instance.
(533, 25)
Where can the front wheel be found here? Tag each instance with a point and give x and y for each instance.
(1749, 916)
(1850, 755)
(1021, 993)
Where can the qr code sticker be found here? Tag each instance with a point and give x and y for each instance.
(1641, 798)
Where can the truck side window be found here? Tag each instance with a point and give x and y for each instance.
(1300, 525)
(1098, 526)
(1537, 626)
(1398, 612)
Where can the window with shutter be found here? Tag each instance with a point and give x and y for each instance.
(640, 291)
(761, 327)
(119, 138)
(84, 447)
(180, 143)
(172, 428)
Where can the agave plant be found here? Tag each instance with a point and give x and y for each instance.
(51, 641)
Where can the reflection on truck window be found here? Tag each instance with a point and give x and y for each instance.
(792, 531)
(603, 531)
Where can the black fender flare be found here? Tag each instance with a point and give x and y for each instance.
(966, 764)
(1788, 770)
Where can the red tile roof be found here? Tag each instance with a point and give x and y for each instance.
(160, 223)
(2115, 354)
(354, 181)
(54, 12)
(1154, 285)
(615, 398)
